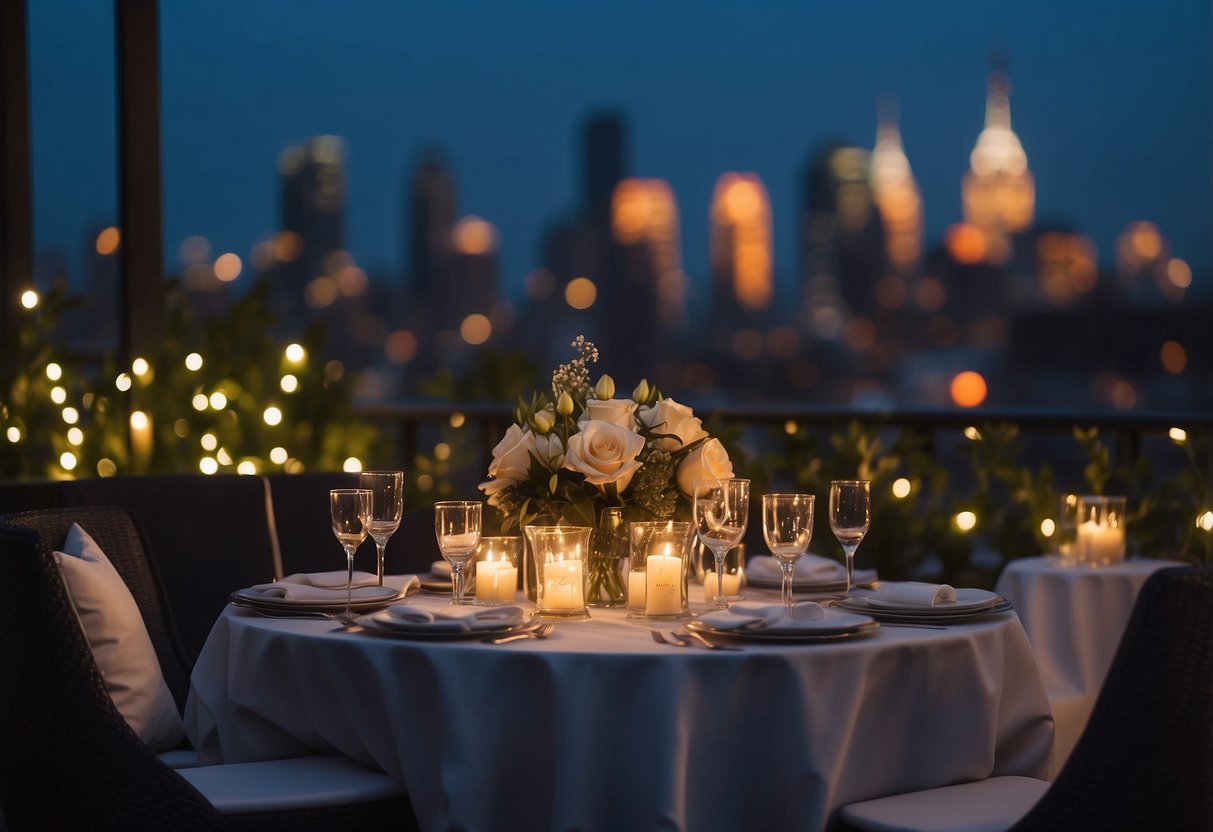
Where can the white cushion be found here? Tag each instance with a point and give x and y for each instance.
(119, 641)
(993, 805)
(297, 783)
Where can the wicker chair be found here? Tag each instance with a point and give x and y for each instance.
(69, 760)
(1145, 760)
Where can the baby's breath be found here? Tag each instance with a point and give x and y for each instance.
(574, 378)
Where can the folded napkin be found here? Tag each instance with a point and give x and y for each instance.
(754, 616)
(916, 593)
(809, 569)
(453, 618)
(330, 586)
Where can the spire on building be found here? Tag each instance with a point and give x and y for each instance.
(896, 191)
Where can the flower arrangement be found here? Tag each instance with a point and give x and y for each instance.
(568, 457)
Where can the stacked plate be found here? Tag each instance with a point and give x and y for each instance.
(969, 604)
(409, 621)
(270, 603)
(835, 625)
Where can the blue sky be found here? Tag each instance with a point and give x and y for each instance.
(1111, 100)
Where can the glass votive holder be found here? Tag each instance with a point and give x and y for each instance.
(1100, 536)
(734, 580)
(497, 560)
(608, 560)
(1067, 528)
(560, 555)
(657, 579)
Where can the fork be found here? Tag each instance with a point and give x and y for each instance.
(542, 631)
(674, 641)
(711, 645)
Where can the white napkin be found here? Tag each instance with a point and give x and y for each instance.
(330, 586)
(809, 569)
(916, 593)
(754, 616)
(456, 618)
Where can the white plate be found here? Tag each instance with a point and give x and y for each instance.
(967, 600)
(908, 617)
(799, 635)
(385, 622)
(834, 621)
(244, 598)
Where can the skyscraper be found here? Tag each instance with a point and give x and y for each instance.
(998, 191)
(312, 175)
(432, 202)
(896, 194)
(741, 249)
(645, 228)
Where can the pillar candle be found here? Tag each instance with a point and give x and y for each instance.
(562, 586)
(732, 584)
(663, 585)
(636, 593)
(1098, 544)
(496, 581)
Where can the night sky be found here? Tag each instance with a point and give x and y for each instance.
(1112, 101)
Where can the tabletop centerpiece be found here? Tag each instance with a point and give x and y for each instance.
(571, 455)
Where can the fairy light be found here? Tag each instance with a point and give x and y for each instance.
(58, 395)
(209, 442)
(54, 372)
(1047, 527)
(13, 434)
(181, 428)
(1178, 435)
(289, 383)
(71, 415)
(425, 482)
(1205, 521)
(278, 455)
(123, 382)
(106, 467)
(140, 367)
(247, 467)
(442, 451)
(295, 353)
(193, 362)
(218, 400)
(458, 419)
(790, 428)
(901, 488)
(200, 402)
(272, 416)
(30, 299)
(75, 436)
(352, 465)
(224, 457)
(972, 434)
(966, 520)
(67, 461)
(208, 465)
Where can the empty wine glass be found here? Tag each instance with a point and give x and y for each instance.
(388, 506)
(721, 512)
(350, 509)
(457, 526)
(850, 516)
(787, 527)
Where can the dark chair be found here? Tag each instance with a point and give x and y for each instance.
(28, 495)
(1145, 759)
(208, 535)
(68, 759)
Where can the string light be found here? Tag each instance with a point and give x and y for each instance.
(200, 402)
(972, 434)
(295, 353)
(193, 362)
(966, 520)
(106, 467)
(208, 465)
(209, 442)
(140, 367)
(278, 455)
(218, 400)
(54, 372)
(224, 457)
(123, 382)
(1178, 435)
(71, 415)
(289, 383)
(13, 434)
(1205, 521)
(1047, 527)
(67, 461)
(352, 465)
(58, 395)
(30, 299)
(75, 436)
(272, 416)
(901, 488)
(247, 467)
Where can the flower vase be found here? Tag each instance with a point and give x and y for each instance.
(607, 561)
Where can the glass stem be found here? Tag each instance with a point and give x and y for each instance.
(380, 548)
(721, 604)
(850, 552)
(457, 581)
(349, 584)
(788, 570)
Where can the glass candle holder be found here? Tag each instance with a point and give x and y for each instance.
(657, 580)
(1067, 528)
(1100, 537)
(734, 573)
(560, 555)
(497, 560)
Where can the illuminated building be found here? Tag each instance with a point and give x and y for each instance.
(998, 191)
(741, 250)
(896, 195)
(645, 227)
(312, 175)
(470, 286)
(431, 217)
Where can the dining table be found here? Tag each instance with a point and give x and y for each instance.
(1074, 615)
(599, 727)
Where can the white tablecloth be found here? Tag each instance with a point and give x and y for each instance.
(1074, 617)
(599, 728)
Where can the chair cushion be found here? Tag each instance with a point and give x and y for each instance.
(119, 641)
(297, 783)
(992, 805)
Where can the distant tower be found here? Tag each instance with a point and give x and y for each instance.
(431, 219)
(742, 270)
(896, 193)
(645, 227)
(471, 280)
(312, 174)
(605, 159)
(998, 191)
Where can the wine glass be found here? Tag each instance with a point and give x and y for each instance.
(721, 511)
(388, 505)
(850, 516)
(457, 526)
(350, 509)
(787, 527)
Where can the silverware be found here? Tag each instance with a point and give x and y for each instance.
(711, 645)
(542, 631)
(674, 641)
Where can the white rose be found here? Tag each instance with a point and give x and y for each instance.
(605, 453)
(668, 416)
(512, 455)
(621, 412)
(710, 461)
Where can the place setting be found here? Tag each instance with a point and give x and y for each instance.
(325, 592)
(917, 602)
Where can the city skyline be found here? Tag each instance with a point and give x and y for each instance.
(233, 217)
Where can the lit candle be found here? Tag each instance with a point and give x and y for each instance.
(562, 586)
(1097, 544)
(496, 581)
(636, 579)
(732, 585)
(663, 585)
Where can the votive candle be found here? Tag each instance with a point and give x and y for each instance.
(562, 586)
(663, 585)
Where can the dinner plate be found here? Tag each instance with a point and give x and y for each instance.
(243, 598)
(378, 623)
(906, 617)
(802, 636)
(967, 600)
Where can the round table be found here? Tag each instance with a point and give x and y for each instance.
(1074, 617)
(600, 728)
